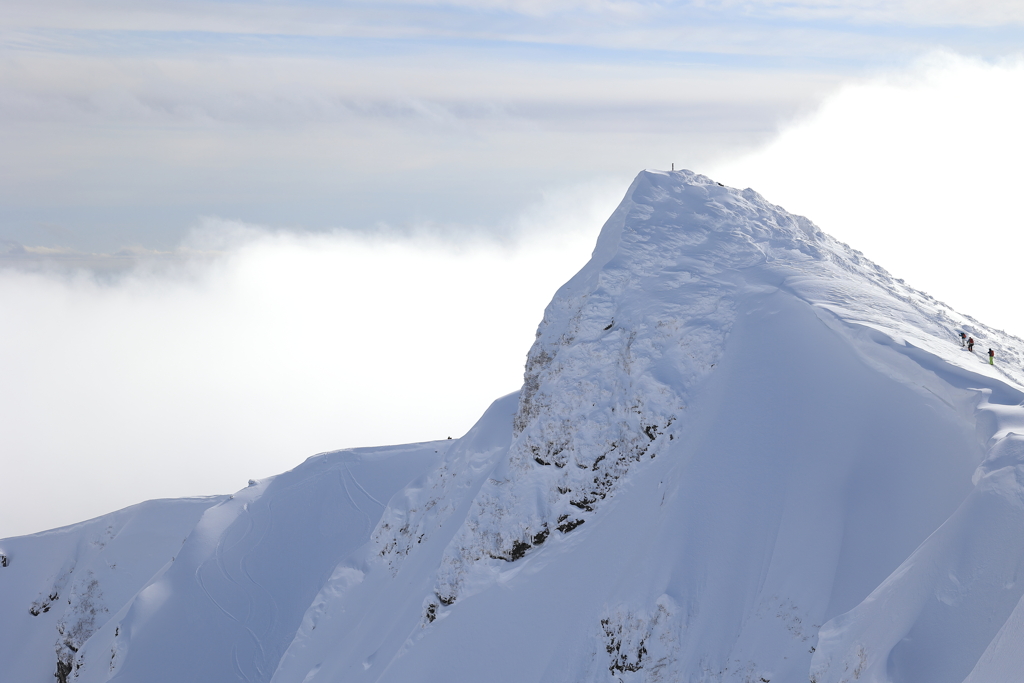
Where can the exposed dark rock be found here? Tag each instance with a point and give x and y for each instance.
(566, 527)
(519, 549)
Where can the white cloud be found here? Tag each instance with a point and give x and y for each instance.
(921, 170)
(190, 378)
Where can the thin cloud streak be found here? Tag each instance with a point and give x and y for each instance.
(407, 18)
(442, 89)
(119, 152)
(839, 38)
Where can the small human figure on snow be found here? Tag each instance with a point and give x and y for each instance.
(963, 339)
(991, 357)
(970, 344)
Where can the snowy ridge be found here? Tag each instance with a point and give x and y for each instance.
(620, 349)
(61, 586)
(954, 596)
(627, 341)
(742, 453)
(217, 576)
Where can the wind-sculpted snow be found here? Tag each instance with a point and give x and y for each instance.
(742, 453)
(628, 343)
(621, 350)
(943, 608)
(625, 345)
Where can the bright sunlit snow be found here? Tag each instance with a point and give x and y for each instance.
(741, 452)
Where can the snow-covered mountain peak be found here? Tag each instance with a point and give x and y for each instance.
(690, 217)
(628, 342)
(742, 453)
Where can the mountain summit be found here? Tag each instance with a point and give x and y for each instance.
(742, 453)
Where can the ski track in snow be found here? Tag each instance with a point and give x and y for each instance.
(742, 453)
(352, 478)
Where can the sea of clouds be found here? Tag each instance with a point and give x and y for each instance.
(243, 349)
(247, 350)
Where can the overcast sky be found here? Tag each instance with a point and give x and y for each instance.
(233, 234)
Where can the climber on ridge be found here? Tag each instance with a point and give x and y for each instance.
(991, 357)
(970, 344)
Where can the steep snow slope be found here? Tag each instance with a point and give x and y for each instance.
(59, 587)
(732, 429)
(742, 452)
(198, 589)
